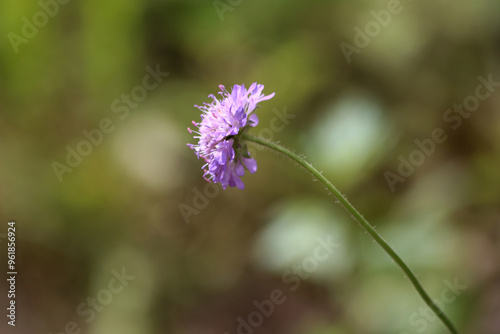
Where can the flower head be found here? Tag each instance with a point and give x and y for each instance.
(218, 141)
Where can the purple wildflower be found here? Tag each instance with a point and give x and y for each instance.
(218, 141)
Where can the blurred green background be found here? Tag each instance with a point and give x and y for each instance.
(66, 67)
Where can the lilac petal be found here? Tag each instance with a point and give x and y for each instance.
(236, 91)
(256, 92)
(225, 177)
(239, 170)
(223, 156)
(239, 183)
(241, 117)
(252, 87)
(250, 164)
(268, 97)
(232, 174)
(251, 106)
(236, 181)
(254, 120)
(224, 150)
(233, 131)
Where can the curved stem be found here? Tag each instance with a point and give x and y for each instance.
(364, 223)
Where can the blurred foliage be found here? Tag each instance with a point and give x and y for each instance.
(121, 206)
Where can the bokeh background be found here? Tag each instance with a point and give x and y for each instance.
(199, 262)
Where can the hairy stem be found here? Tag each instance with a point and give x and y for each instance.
(364, 223)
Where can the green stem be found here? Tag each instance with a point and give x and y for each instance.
(364, 223)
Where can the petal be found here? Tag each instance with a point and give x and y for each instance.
(251, 106)
(254, 120)
(222, 156)
(236, 181)
(268, 97)
(239, 170)
(239, 113)
(240, 117)
(233, 131)
(252, 87)
(250, 164)
(236, 90)
(257, 91)
(225, 177)
(239, 183)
